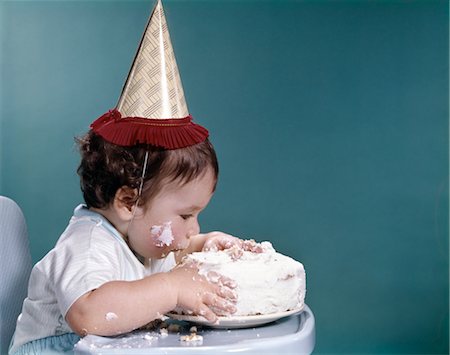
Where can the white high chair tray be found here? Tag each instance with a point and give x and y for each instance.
(291, 334)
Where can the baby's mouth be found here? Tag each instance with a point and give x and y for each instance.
(179, 248)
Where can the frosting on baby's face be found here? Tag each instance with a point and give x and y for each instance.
(162, 234)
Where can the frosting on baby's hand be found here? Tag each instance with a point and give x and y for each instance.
(252, 246)
(220, 241)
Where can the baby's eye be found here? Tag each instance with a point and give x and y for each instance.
(185, 216)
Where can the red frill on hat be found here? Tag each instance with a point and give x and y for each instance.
(170, 133)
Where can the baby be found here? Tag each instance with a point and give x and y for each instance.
(114, 267)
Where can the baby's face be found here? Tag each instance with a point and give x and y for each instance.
(171, 218)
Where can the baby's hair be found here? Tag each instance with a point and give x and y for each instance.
(106, 167)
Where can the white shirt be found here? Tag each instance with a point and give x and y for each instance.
(89, 253)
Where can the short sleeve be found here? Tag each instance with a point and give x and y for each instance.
(82, 265)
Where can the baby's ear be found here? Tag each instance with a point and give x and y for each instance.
(124, 202)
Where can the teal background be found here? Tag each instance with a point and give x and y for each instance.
(330, 119)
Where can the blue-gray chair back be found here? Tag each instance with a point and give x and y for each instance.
(15, 267)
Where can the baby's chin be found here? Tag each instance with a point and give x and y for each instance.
(157, 253)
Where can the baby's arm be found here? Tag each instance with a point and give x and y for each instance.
(118, 307)
(196, 243)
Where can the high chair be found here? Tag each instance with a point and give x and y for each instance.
(15, 267)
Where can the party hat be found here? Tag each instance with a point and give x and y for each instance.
(152, 108)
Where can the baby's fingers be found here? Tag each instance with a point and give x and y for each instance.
(227, 293)
(207, 313)
(216, 278)
(226, 281)
(252, 246)
(218, 303)
(210, 245)
(220, 241)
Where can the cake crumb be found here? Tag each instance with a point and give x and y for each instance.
(193, 338)
(164, 332)
(149, 337)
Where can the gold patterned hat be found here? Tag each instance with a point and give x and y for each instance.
(152, 108)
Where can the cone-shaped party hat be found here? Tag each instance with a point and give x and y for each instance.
(152, 108)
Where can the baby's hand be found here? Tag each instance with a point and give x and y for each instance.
(197, 295)
(219, 241)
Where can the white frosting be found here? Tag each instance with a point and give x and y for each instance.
(111, 316)
(162, 234)
(267, 282)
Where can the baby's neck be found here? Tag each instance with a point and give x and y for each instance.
(114, 219)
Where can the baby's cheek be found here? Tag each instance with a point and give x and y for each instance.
(180, 241)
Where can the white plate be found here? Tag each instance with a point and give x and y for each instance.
(236, 321)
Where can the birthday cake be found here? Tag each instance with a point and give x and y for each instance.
(267, 282)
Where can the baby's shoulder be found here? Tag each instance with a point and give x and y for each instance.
(82, 242)
(85, 236)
